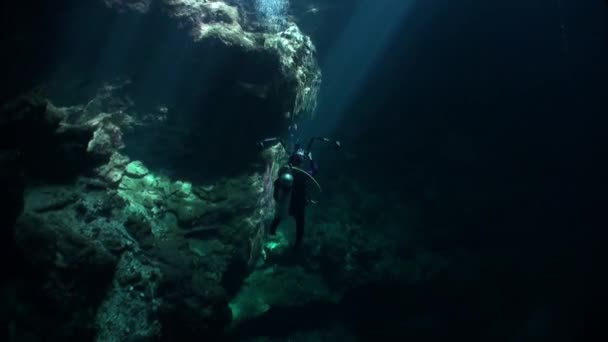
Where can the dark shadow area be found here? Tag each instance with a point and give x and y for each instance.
(40, 295)
(43, 151)
(482, 116)
(233, 277)
(281, 322)
(400, 312)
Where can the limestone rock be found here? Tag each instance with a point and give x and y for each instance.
(114, 169)
(136, 169)
(130, 308)
(212, 20)
(107, 138)
(72, 274)
(66, 141)
(30, 126)
(277, 69)
(296, 53)
(157, 197)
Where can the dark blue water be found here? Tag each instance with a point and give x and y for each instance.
(467, 199)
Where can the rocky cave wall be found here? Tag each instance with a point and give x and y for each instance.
(177, 256)
(135, 86)
(100, 83)
(207, 78)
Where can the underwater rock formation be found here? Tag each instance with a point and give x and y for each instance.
(341, 259)
(38, 141)
(67, 266)
(118, 263)
(128, 250)
(175, 257)
(198, 71)
(47, 149)
(139, 254)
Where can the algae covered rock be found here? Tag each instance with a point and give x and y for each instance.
(296, 54)
(157, 198)
(61, 143)
(114, 169)
(192, 310)
(130, 307)
(52, 245)
(236, 24)
(107, 138)
(136, 169)
(72, 274)
(133, 253)
(48, 148)
(228, 72)
(213, 20)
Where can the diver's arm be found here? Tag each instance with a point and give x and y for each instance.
(312, 168)
(312, 141)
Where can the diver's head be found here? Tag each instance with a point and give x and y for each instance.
(297, 158)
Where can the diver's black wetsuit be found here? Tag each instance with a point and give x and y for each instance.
(297, 206)
(299, 199)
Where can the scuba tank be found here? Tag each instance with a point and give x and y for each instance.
(283, 187)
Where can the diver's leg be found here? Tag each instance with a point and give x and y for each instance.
(274, 225)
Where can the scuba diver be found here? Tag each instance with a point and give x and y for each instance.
(290, 187)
